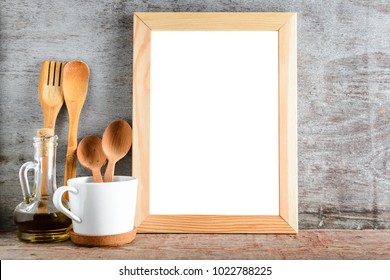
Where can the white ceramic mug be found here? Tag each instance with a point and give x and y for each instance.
(99, 208)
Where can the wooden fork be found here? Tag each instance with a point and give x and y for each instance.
(50, 93)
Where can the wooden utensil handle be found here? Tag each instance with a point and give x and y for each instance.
(50, 117)
(71, 156)
(70, 169)
(97, 176)
(109, 174)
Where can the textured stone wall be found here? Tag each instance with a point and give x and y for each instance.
(343, 93)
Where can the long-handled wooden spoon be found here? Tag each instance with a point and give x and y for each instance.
(75, 86)
(116, 143)
(90, 155)
(49, 91)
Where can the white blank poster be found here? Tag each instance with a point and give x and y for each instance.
(214, 123)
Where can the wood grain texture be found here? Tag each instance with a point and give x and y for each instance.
(343, 95)
(141, 116)
(211, 21)
(288, 177)
(215, 224)
(307, 245)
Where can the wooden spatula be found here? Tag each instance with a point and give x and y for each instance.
(49, 91)
(75, 87)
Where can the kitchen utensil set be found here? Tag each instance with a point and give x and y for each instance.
(41, 216)
(59, 82)
(67, 82)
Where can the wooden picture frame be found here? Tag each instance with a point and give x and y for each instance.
(285, 24)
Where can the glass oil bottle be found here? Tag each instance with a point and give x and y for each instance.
(36, 217)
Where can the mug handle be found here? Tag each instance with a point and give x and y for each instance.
(57, 200)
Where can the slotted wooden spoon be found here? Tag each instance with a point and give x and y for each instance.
(75, 87)
(49, 91)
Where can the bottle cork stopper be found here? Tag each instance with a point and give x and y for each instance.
(45, 132)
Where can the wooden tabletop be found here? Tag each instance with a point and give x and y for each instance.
(307, 244)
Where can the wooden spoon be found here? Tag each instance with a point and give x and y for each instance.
(116, 143)
(90, 155)
(75, 86)
(49, 91)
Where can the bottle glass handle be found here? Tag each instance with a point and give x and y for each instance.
(23, 178)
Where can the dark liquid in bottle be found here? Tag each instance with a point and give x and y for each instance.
(42, 227)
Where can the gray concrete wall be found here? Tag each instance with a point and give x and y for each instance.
(343, 93)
